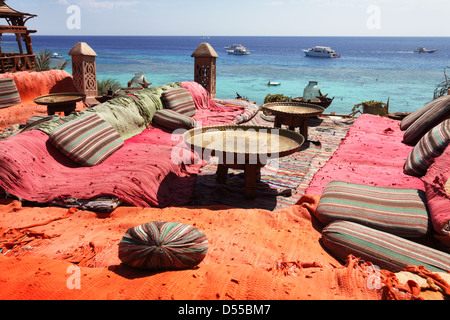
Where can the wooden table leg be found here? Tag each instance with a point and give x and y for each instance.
(222, 172)
(304, 128)
(277, 123)
(50, 111)
(67, 108)
(251, 173)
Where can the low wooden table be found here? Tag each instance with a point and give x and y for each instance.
(60, 102)
(243, 147)
(292, 114)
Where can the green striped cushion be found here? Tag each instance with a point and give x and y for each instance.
(41, 118)
(431, 146)
(438, 112)
(9, 95)
(161, 245)
(436, 103)
(398, 211)
(387, 251)
(179, 100)
(173, 120)
(87, 140)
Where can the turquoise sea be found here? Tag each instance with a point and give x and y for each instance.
(371, 68)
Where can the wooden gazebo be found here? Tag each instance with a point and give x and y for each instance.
(12, 62)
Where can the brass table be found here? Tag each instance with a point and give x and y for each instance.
(243, 147)
(292, 114)
(60, 102)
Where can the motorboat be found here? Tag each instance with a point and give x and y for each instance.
(321, 52)
(423, 50)
(57, 56)
(237, 49)
(271, 83)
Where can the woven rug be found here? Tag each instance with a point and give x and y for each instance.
(283, 180)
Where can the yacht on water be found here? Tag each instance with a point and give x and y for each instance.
(237, 49)
(321, 52)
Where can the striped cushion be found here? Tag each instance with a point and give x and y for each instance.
(437, 103)
(87, 140)
(163, 245)
(387, 251)
(179, 100)
(398, 211)
(431, 146)
(173, 120)
(434, 115)
(9, 95)
(41, 118)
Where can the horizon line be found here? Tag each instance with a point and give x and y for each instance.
(270, 36)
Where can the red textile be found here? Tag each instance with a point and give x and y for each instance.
(141, 173)
(372, 153)
(438, 198)
(146, 171)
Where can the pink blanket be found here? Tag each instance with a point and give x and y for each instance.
(144, 172)
(372, 153)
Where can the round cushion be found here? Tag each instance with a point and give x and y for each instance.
(163, 245)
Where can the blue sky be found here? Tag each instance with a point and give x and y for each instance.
(238, 17)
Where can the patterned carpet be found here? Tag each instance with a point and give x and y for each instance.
(283, 180)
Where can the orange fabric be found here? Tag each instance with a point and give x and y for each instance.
(393, 290)
(253, 254)
(31, 85)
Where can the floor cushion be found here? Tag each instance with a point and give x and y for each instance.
(383, 249)
(399, 211)
(9, 95)
(179, 100)
(436, 103)
(437, 187)
(87, 140)
(161, 245)
(429, 147)
(173, 120)
(439, 112)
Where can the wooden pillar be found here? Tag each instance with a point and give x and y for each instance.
(205, 67)
(84, 71)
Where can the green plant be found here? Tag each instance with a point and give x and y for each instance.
(107, 84)
(443, 87)
(276, 98)
(61, 65)
(373, 107)
(44, 60)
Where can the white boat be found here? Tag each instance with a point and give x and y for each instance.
(423, 50)
(321, 52)
(237, 49)
(57, 56)
(271, 83)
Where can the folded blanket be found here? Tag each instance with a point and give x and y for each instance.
(437, 186)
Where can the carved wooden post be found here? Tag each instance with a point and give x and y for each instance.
(84, 71)
(205, 67)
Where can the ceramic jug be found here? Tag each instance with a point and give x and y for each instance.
(311, 91)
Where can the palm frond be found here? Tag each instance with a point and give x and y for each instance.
(43, 60)
(61, 65)
(107, 84)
